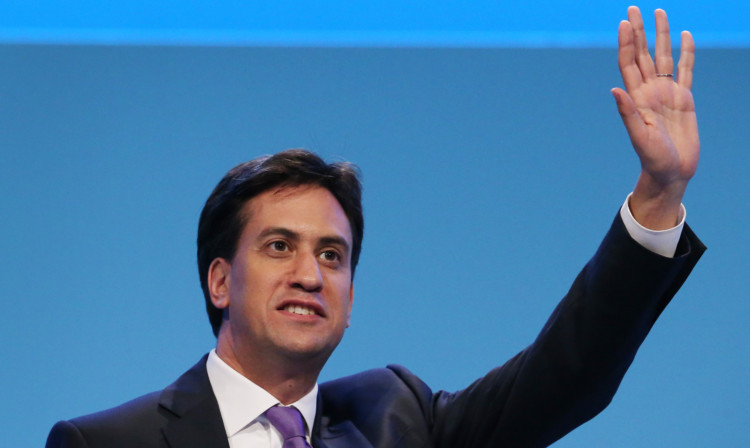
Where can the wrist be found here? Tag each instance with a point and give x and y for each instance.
(657, 205)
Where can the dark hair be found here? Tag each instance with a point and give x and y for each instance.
(222, 220)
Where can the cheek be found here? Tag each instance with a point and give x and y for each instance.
(343, 288)
(244, 291)
(261, 288)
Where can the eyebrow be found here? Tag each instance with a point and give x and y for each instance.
(335, 241)
(294, 236)
(282, 231)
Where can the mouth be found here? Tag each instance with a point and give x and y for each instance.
(299, 310)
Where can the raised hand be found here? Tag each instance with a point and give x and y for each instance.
(658, 111)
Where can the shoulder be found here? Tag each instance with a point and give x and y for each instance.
(139, 422)
(393, 387)
(390, 405)
(136, 421)
(132, 412)
(393, 377)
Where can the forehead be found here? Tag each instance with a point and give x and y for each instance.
(303, 209)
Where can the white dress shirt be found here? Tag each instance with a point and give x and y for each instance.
(242, 402)
(662, 242)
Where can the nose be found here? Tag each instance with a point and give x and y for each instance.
(307, 275)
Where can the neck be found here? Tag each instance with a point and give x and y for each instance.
(286, 379)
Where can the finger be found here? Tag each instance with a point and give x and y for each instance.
(687, 60)
(642, 58)
(630, 117)
(663, 48)
(631, 74)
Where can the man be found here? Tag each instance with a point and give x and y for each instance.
(278, 244)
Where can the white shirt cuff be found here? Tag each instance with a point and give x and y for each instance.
(662, 242)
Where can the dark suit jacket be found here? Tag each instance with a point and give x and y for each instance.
(564, 378)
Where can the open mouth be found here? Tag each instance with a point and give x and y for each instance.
(299, 310)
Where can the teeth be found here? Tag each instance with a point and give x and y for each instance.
(296, 309)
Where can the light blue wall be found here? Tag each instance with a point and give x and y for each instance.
(359, 22)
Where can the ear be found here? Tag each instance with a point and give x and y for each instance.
(351, 302)
(219, 276)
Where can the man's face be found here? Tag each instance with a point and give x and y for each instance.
(290, 282)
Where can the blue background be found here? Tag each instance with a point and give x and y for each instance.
(493, 157)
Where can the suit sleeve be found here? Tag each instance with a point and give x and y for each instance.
(573, 368)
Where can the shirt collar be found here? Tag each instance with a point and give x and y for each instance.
(241, 401)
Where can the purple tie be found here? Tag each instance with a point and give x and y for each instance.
(289, 422)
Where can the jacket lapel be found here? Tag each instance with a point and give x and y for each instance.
(343, 434)
(193, 416)
(194, 419)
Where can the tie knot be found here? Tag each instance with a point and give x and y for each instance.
(290, 424)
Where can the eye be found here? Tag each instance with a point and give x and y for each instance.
(330, 255)
(278, 246)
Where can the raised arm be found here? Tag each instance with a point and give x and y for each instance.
(658, 111)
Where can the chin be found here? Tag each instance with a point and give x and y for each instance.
(308, 350)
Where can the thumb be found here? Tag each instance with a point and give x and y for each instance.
(628, 112)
